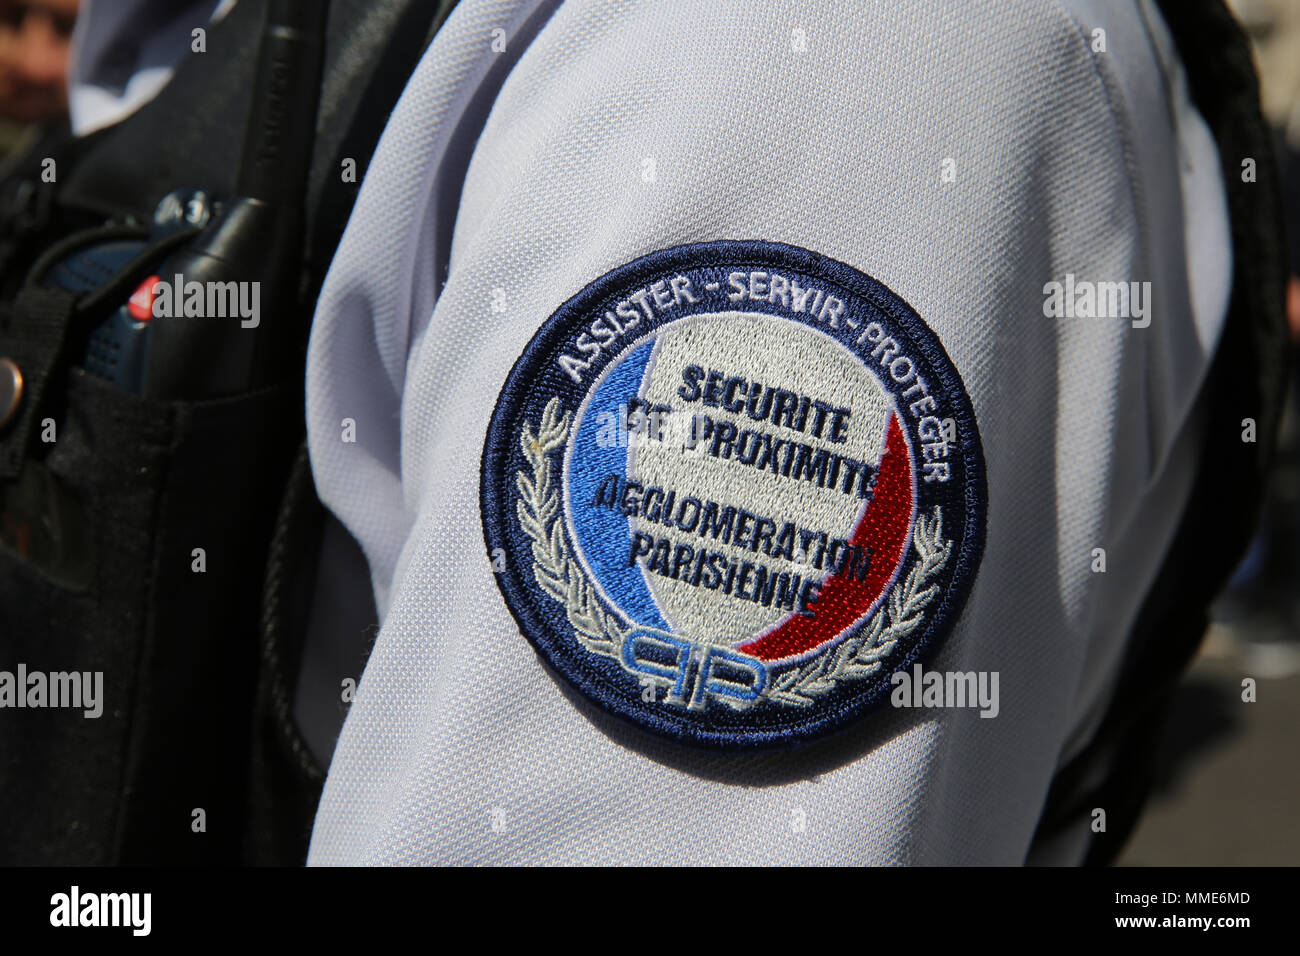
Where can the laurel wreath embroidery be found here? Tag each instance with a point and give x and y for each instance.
(863, 655)
(538, 509)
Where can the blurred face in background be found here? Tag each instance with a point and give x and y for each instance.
(34, 57)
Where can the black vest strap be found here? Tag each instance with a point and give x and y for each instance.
(33, 342)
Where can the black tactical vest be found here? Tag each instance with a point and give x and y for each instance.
(139, 535)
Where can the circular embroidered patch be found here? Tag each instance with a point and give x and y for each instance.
(729, 489)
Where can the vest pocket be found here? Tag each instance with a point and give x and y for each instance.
(132, 553)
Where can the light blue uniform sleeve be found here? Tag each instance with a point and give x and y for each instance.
(965, 156)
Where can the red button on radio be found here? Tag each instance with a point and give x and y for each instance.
(141, 303)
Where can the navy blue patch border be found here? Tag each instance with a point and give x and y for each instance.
(501, 458)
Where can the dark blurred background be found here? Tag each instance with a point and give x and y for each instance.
(1228, 774)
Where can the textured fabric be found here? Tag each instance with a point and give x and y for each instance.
(630, 127)
(1246, 380)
